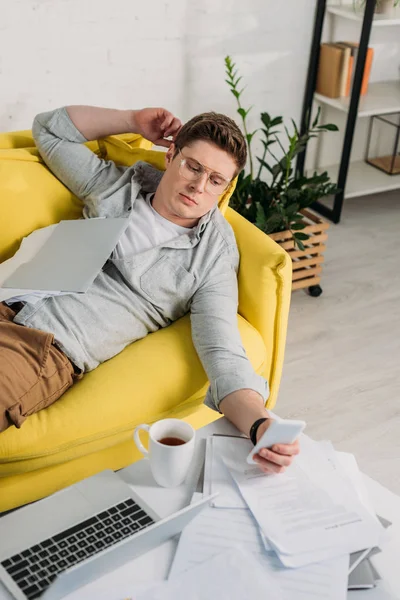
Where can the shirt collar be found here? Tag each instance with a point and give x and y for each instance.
(201, 225)
(148, 178)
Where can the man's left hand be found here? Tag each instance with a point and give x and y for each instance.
(156, 124)
(277, 458)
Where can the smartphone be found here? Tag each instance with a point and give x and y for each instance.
(279, 432)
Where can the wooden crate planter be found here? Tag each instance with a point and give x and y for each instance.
(307, 264)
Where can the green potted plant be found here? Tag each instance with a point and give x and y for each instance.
(271, 194)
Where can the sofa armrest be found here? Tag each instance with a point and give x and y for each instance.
(264, 280)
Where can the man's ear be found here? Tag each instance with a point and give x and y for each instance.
(169, 155)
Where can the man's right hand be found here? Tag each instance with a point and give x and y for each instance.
(156, 124)
(277, 458)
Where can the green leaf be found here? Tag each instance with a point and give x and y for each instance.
(260, 218)
(244, 183)
(297, 218)
(269, 143)
(273, 223)
(250, 136)
(292, 209)
(297, 226)
(236, 94)
(276, 169)
(265, 118)
(299, 244)
(301, 236)
(329, 127)
(276, 121)
(243, 113)
(316, 118)
(265, 164)
(285, 163)
(295, 128)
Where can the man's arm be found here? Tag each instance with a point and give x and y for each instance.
(215, 333)
(60, 135)
(155, 124)
(60, 143)
(235, 389)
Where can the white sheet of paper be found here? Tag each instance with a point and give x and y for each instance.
(221, 528)
(218, 528)
(230, 575)
(295, 561)
(29, 247)
(304, 511)
(347, 465)
(218, 478)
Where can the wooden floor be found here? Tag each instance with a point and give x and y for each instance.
(342, 365)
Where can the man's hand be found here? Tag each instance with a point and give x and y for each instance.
(243, 408)
(277, 458)
(156, 124)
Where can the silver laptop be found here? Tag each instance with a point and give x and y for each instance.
(52, 547)
(71, 258)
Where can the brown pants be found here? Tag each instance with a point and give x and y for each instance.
(34, 373)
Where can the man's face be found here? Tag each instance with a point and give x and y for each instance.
(184, 201)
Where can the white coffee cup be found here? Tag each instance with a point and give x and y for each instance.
(169, 463)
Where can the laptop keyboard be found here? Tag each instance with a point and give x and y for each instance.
(34, 569)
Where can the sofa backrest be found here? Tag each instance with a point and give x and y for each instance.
(31, 197)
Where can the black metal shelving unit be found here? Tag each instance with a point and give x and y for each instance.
(334, 213)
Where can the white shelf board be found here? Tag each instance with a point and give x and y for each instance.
(347, 12)
(382, 97)
(363, 179)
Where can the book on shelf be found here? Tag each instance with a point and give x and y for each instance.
(336, 69)
(367, 67)
(329, 70)
(345, 69)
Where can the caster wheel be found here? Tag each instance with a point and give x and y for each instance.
(315, 290)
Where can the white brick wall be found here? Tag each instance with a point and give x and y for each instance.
(131, 53)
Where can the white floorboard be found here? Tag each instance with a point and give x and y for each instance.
(342, 364)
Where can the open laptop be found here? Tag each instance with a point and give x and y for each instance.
(52, 547)
(70, 257)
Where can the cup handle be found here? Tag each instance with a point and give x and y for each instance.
(136, 437)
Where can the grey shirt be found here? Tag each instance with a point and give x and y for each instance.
(138, 294)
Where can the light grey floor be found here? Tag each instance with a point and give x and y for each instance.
(342, 365)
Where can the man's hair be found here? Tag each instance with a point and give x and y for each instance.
(218, 129)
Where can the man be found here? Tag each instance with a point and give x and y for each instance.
(178, 254)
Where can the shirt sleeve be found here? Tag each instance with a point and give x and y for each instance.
(60, 144)
(216, 335)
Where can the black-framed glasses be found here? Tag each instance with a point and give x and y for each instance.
(192, 170)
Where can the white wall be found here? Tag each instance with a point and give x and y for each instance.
(130, 53)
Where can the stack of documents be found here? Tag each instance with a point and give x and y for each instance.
(216, 530)
(311, 512)
(302, 525)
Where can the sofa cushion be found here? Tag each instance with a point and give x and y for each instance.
(144, 383)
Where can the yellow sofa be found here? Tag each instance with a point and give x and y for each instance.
(90, 428)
